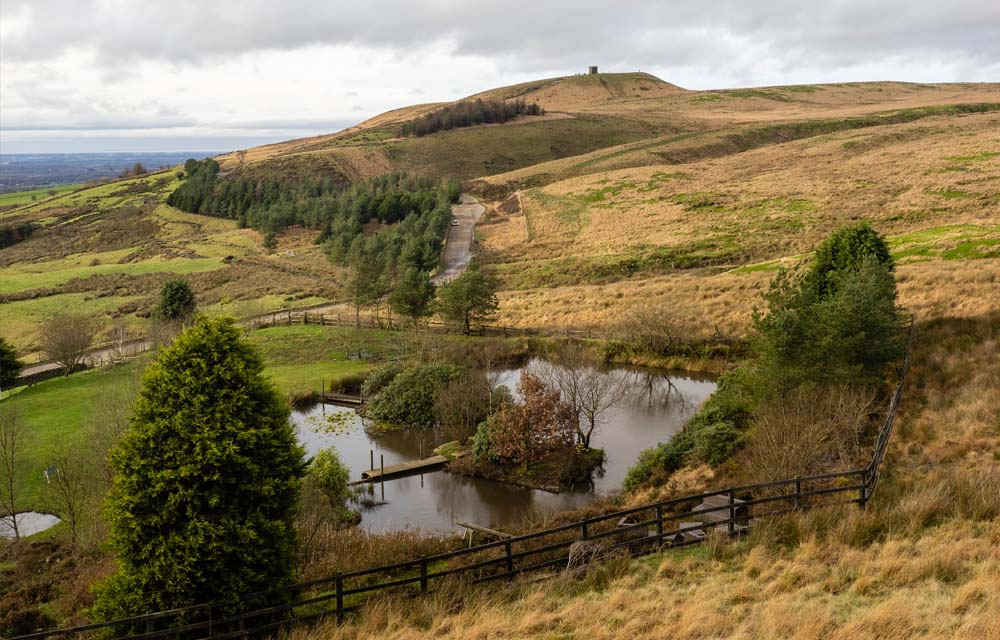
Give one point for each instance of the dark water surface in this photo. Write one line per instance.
(657, 406)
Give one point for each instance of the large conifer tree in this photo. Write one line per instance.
(207, 480)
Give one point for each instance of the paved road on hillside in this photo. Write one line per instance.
(461, 238)
(455, 260)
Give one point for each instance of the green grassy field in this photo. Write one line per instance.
(297, 358)
(34, 195)
(302, 358)
(58, 411)
(51, 274)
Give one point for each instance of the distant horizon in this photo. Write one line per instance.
(110, 153)
(142, 144)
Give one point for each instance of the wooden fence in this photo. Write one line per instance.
(348, 320)
(640, 530)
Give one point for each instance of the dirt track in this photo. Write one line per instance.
(461, 237)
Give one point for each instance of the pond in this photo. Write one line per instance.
(28, 523)
(656, 407)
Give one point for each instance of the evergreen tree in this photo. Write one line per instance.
(844, 252)
(206, 481)
(10, 366)
(363, 286)
(176, 301)
(413, 295)
(471, 297)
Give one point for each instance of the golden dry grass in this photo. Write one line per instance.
(923, 561)
(929, 587)
(587, 250)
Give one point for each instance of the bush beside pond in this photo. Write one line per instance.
(407, 399)
(836, 324)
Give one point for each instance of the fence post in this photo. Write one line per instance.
(340, 598)
(732, 512)
(510, 560)
(659, 524)
(423, 575)
(863, 491)
(289, 316)
(798, 492)
(583, 530)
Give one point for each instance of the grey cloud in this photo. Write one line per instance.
(539, 35)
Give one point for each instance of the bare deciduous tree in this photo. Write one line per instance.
(12, 437)
(588, 390)
(462, 405)
(806, 431)
(66, 337)
(71, 487)
(488, 357)
(120, 336)
(654, 329)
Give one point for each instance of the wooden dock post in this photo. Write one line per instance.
(371, 453)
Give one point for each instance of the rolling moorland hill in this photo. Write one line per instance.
(627, 192)
(620, 204)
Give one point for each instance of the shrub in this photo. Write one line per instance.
(380, 377)
(481, 442)
(542, 422)
(843, 252)
(176, 301)
(408, 400)
(11, 234)
(332, 477)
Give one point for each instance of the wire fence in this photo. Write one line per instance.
(678, 522)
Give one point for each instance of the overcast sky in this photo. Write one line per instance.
(189, 75)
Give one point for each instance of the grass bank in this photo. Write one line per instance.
(297, 358)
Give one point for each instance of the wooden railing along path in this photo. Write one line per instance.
(636, 531)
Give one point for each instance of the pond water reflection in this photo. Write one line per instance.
(656, 407)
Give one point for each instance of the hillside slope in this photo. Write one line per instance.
(700, 224)
(628, 192)
(106, 250)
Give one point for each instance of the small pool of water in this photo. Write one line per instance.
(658, 405)
(28, 523)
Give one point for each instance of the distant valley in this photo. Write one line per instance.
(23, 171)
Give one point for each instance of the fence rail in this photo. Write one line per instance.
(290, 317)
(676, 522)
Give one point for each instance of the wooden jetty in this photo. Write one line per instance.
(345, 399)
(472, 529)
(410, 467)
